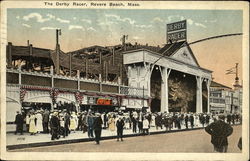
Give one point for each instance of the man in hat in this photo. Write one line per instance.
(54, 125)
(97, 126)
(119, 125)
(219, 131)
(19, 120)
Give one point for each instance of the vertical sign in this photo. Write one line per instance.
(177, 31)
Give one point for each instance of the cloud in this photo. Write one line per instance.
(26, 25)
(118, 18)
(62, 21)
(201, 25)
(71, 27)
(136, 38)
(157, 19)
(210, 21)
(86, 20)
(143, 26)
(175, 17)
(48, 28)
(190, 21)
(91, 29)
(38, 17)
(51, 16)
(17, 17)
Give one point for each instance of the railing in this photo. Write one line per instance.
(121, 89)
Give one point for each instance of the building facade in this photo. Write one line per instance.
(224, 99)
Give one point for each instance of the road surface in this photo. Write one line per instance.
(195, 141)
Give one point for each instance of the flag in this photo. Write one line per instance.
(231, 70)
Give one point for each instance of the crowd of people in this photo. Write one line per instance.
(60, 123)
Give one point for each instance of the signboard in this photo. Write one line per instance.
(176, 26)
(177, 31)
(102, 101)
(175, 36)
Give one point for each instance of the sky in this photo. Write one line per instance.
(105, 27)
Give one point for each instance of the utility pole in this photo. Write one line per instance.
(57, 64)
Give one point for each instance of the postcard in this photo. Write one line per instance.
(124, 80)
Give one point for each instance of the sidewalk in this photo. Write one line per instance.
(26, 140)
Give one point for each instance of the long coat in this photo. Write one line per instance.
(32, 128)
(219, 132)
(97, 125)
(120, 124)
(111, 124)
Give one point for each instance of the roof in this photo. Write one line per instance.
(170, 49)
(218, 85)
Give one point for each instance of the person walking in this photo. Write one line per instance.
(119, 126)
(219, 131)
(54, 126)
(19, 123)
(134, 124)
(46, 121)
(32, 124)
(27, 121)
(191, 119)
(97, 126)
(145, 126)
(39, 122)
(66, 123)
(186, 121)
(90, 121)
(229, 118)
(111, 123)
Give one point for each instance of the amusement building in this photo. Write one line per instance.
(120, 77)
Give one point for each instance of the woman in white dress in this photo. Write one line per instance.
(127, 121)
(73, 122)
(153, 120)
(32, 128)
(39, 122)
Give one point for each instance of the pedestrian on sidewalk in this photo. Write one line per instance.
(66, 123)
(46, 121)
(219, 131)
(191, 119)
(119, 126)
(97, 126)
(145, 126)
(54, 126)
(39, 122)
(186, 121)
(111, 123)
(134, 124)
(32, 127)
(19, 120)
(27, 121)
(90, 121)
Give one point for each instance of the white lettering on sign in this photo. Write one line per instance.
(176, 26)
(177, 36)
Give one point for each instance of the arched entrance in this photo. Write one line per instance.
(155, 88)
(182, 92)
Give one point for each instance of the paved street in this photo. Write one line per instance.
(197, 141)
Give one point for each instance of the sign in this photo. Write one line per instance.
(181, 35)
(181, 25)
(102, 101)
(91, 100)
(177, 31)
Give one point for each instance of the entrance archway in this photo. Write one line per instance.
(155, 88)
